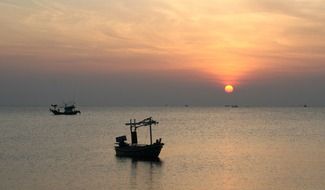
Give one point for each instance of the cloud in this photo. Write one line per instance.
(224, 41)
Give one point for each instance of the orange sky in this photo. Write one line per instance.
(227, 41)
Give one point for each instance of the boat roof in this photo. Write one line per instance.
(69, 106)
(146, 122)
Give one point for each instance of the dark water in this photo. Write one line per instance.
(205, 148)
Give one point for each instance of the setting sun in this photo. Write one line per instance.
(229, 88)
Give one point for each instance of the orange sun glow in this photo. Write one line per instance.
(229, 88)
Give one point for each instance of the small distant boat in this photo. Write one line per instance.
(135, 150)
(68, 109)
(231, 106)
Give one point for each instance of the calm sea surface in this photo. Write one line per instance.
(205, 148)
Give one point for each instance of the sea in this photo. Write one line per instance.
(206, 148)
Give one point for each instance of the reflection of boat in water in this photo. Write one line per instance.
(67, 109)
(135, 150)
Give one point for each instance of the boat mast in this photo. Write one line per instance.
(133, 129)
(134, 125)
(150, 132)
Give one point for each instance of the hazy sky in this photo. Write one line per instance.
(157, 52)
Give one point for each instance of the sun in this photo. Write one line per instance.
(229, 89)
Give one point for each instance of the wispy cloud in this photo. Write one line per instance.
(229, 39)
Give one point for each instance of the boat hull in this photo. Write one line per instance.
(55, 112)
(139, 151)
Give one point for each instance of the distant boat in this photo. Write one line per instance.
(135, 150)
(232, 106)
(68, 109)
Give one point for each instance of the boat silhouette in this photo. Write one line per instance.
(68, 109)
(135, 150)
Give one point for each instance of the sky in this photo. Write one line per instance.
(162, 52)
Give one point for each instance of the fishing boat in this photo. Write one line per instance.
(68, 109)
(135, 150)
